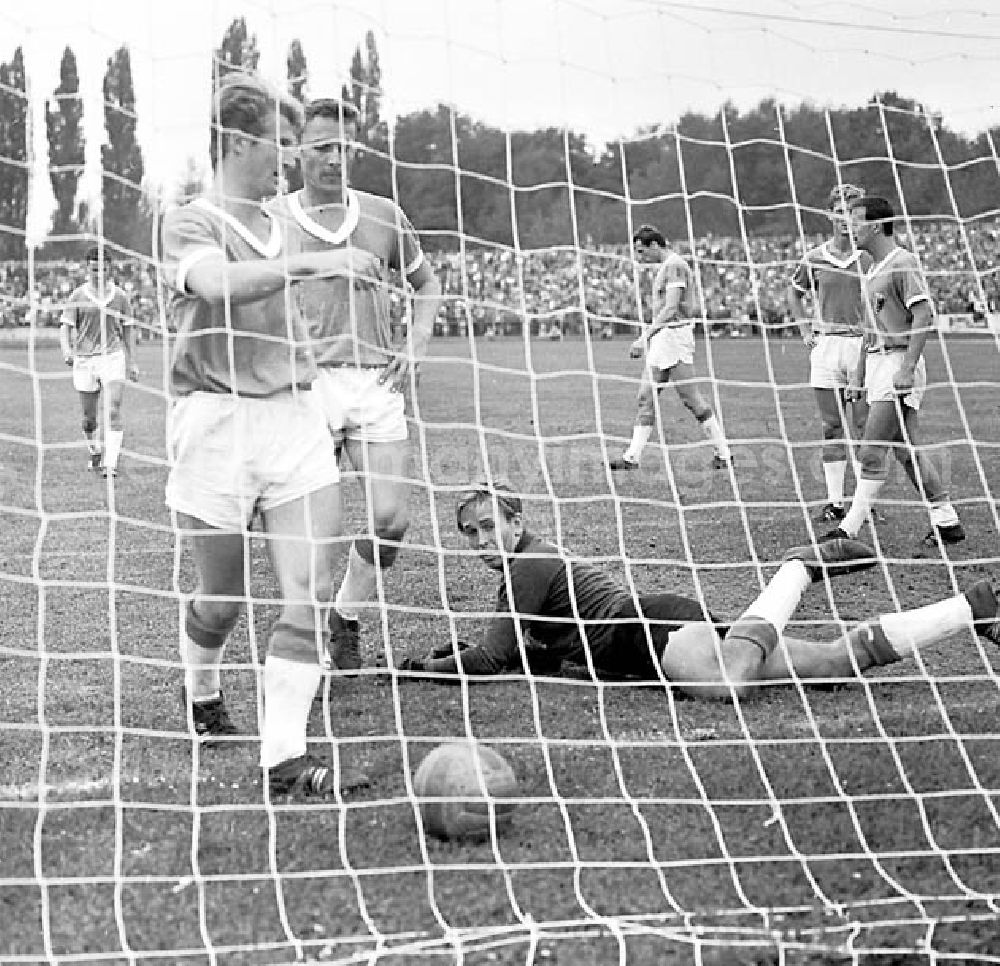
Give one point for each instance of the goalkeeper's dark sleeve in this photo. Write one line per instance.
(498, 653)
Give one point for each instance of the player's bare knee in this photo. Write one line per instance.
(833, 429)
(872, 461)
(89, 423)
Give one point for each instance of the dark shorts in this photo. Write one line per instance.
(628, 652)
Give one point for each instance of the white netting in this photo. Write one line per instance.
(851, 823)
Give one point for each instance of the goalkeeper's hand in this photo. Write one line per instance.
(412, 664)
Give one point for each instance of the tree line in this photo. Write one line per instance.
(766, 170)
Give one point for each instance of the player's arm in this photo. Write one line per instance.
(920, 331)
(129, 328)
(215, 279)
(798, 288)
(67, 334)
(498, 653)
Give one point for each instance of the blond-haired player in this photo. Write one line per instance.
(362, 372)
(833, 331)
(245, 437)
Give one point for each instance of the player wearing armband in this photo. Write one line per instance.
(362, 373)
(97, 338)
(668, 345)
(833, 332)
(575, 617)
(901, 319)
(245, 436)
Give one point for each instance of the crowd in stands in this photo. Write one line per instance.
(558, 289)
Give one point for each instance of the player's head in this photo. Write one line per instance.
(95, 263)
(490, 517)
(871, 217)
(257, 126)
(841, 199)
(327, 143)
(648, 243)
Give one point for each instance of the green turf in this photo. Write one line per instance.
(856, 824)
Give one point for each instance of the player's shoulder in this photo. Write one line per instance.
(903, 260)
(676, 260)
(79, 294)
(377, 207)
(198, 212)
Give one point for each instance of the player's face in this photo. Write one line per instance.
(840, 217)
(492, 534)
(646, 253)
(327, 149)
(862, 231)
(266, 155)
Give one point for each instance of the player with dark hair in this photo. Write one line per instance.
(97, 338)
(362, 372)
(668, 345)
(578, 616)
(900, 320)
(833, 331)
(246, 438)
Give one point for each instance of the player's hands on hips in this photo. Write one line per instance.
(904, 379)
(636, 349)
(396, 374)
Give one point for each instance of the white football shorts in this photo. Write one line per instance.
(92, 372)
(833, 361)
(881, 367)
(670, 346)
(231, 455)
(357, 407)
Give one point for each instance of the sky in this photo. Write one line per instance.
(602, 67)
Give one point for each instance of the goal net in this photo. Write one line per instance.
(846, 817)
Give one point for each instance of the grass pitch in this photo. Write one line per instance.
(819, 825)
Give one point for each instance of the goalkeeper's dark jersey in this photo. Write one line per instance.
(545, 585)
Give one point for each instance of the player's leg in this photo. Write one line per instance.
(114, 432)
(927, 480)
(831, 413)
(209, 616)
(384, 467)
(88, 404)
(882, 429)
(645, 419)
(684, 380)
(302, 538)
(887, 639)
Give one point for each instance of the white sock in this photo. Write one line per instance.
(711, 428)
(640, 436)
(865, 494)
(913, 629)
(835, 474)
(112, 446)
(778, 600)
(289, 687)
(943, 515)
(358, 585)
(201, 669)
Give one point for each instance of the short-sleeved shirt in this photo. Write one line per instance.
(893, 287)
(834, 280)
(350, 322)
(253, 349)
(99, 323)
(675, 273)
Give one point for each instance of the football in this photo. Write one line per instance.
(453, 802)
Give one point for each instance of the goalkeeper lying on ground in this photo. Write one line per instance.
(559, 603)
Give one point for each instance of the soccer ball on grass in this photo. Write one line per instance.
(454, 804)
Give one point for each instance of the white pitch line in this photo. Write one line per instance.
(30, 791)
